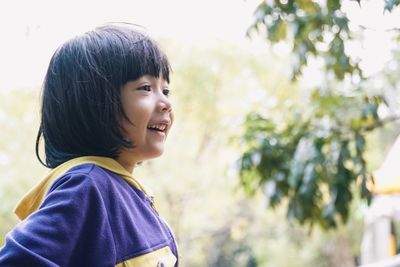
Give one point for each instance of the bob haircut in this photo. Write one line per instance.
(81, 110)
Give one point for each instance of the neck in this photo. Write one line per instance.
(128, 160)
(128, 165)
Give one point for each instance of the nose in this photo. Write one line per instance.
(164, 104)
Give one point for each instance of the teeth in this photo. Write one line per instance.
(160, 127)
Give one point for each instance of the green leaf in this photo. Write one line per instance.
(390, 4)
(333, 5)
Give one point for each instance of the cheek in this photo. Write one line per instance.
(138, 112)
(139, 120)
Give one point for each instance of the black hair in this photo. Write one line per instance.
(81, 111)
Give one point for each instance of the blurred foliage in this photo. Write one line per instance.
(314, 28)
(311, 155)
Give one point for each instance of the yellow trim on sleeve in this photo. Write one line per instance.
(34, 198)
(162, 257)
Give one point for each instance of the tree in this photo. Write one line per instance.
(315, 155)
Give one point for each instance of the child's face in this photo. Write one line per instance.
(146, 104)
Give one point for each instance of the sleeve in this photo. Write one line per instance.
(71, 228)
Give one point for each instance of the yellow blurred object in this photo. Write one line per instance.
(379, 238)
(392, 248)
(387, 177)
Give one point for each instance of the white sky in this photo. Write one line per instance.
(376, 49)
(32, 30)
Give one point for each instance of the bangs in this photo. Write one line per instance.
(133, 55)
(145, 59)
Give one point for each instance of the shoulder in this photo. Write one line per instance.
(80, 189)
(88, 186)
(76, 199)
(72, 217)
(84, 177)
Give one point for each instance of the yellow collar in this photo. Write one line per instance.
(34, 198)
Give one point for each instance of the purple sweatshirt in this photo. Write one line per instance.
(91, 217)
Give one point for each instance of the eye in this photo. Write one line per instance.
(146, 88)
(166, 92)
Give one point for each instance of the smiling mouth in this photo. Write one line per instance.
(161, 127)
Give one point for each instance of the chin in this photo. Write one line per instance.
(156, 153)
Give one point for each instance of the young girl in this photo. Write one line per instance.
(105, 109)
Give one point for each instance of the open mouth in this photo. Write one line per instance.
(161, 127)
